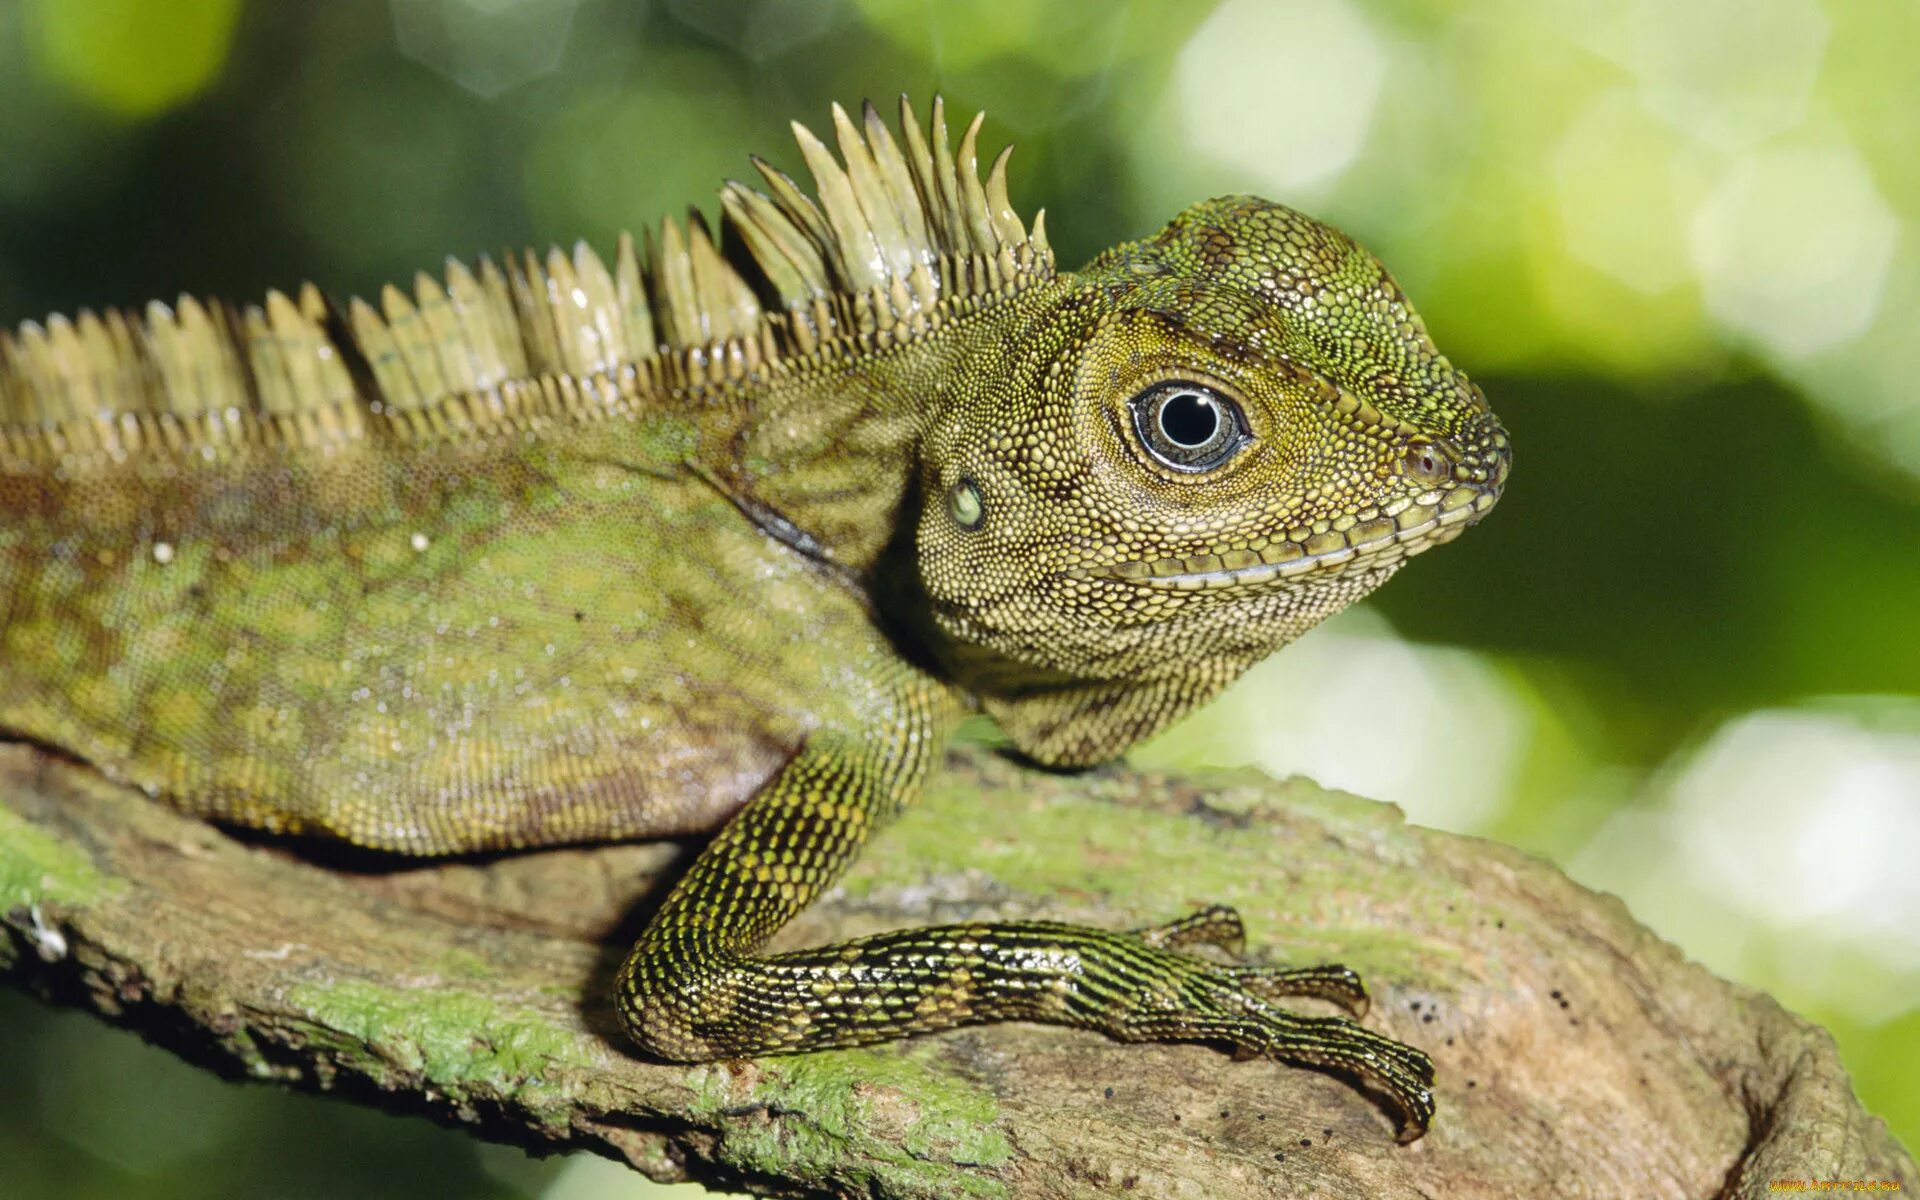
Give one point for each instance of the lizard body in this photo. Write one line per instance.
(568, 553)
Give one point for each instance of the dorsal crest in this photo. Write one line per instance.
(898, 237)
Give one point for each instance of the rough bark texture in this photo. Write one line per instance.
(1578, 1054)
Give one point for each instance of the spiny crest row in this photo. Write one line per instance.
(897, 238)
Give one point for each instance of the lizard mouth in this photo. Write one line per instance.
(1396, 530)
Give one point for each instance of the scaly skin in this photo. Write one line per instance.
(590, 554)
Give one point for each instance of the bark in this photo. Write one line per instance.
(1578, 1054)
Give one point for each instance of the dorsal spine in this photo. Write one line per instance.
(900, 238)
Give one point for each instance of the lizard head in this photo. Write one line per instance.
(1183, 457)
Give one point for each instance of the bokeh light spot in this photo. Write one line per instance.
(1330, 706)
(1284, 93)
(1729, 72)
(759, 29)
(1615, 176)
(485, 46)
(1868, 384)
(136, 58)
(1801, 817)
(1792, 247)
(1781, 852)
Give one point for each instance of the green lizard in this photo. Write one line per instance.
(729, 541)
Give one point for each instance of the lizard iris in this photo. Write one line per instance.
(697, 542)
(1188, 427)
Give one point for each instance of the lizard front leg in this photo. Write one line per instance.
(694, 988)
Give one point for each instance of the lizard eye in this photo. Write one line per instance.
(1426, 462)
(1187, 426)
(964, 506)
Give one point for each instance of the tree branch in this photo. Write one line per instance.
(1578, 1054)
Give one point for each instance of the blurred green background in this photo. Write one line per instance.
(1675, 242)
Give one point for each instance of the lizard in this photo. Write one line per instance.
(724, 540)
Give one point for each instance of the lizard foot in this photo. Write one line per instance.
(1197, 1000)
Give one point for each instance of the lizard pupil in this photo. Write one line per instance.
(1189, 419)
(1188, 427)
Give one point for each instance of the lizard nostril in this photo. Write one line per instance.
(1497, 457)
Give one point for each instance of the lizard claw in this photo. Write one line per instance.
(1398, 1072)
(1234, 1006)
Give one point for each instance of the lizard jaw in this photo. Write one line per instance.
(1404, 528)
